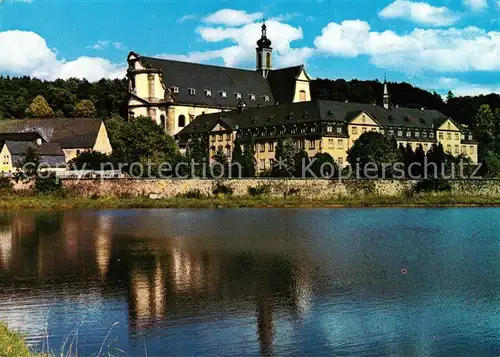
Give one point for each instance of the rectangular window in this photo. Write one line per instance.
(424, 134)
(228, 137)
(400, 133)
(266, 98)
(431, 135)
(408, 134)
(192, 91)
(300, 144)
(340, 143)
(355, 130)
(363, 130)
(312, 144)
(212, 137)
(330, 143)
(339, 130)
(470, 137)
(221, 137)
(270, 147)
(251, 96)
(426, 147)
(448, 136)
(457, 136)
(262, 147)
(208, 92)
(471, 149)
(456, 149)
(440, 136)
(329, 129)
(223, 94)
(417, 134)
(448, 148)
(238, 95)
(262, 164)
(391, 132)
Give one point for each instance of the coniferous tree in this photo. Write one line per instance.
(284, 162)
(301, 161)
(249, 162)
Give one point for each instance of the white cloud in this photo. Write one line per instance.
(231, 17)
(461, 88)
(27, 53)
(285, 17)
(187, 18)
(101, 45)
(448, 50)
(242, 52)
(419, 12)
(476, 5)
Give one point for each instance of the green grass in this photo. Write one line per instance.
(12, 344)
(11, 201)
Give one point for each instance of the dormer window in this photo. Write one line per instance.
(329, 129)
(192, 91)
(339, 130)
(266, 98)
(175, 89)
(223, 94)
(417, 134)
(208, 92)
(251, 96)
(238, 95)
(408, 134)
(470, 137)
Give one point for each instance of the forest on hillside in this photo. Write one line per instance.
(109, 97)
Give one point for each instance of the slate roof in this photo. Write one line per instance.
(79, 133)
(282, 82)
(31, 136)
(313, 111)
(185, 75)
(51, 154)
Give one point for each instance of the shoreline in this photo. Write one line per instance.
(49, 202)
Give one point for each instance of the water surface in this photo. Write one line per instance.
(234, 282)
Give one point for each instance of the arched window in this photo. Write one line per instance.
(162, 121)
(182, 121)
(268, 60)
(302, 96)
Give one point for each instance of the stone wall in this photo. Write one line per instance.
(275, 187)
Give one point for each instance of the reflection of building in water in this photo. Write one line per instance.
(265, 327)
(103, 244)
(148, 296)
(187, 271)
(5, 246)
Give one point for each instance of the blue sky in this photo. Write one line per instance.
(437, 44)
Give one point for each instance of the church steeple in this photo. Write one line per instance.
(264, 52)
(387, 97)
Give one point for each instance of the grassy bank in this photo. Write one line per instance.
(12, 344)
(424, 200)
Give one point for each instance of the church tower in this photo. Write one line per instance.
(387, 97)
(264, 53)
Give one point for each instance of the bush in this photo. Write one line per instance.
(193, 194)
(432, 185)
(291, 192)
(220, 188)
(48, 184)
(259, 190)
(5, 183)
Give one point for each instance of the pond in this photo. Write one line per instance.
(254, 282)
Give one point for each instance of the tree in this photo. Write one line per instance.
(90, 160)
(249, 162)
(324, 165)
(284, 162)
(28, 165)
(301, 161)
(484, 128)
(140, 140)
(374, 149)
(237, 158)
(221, 168)
(450, 96)
(85, 109)
(198, 154)
(39, 108)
